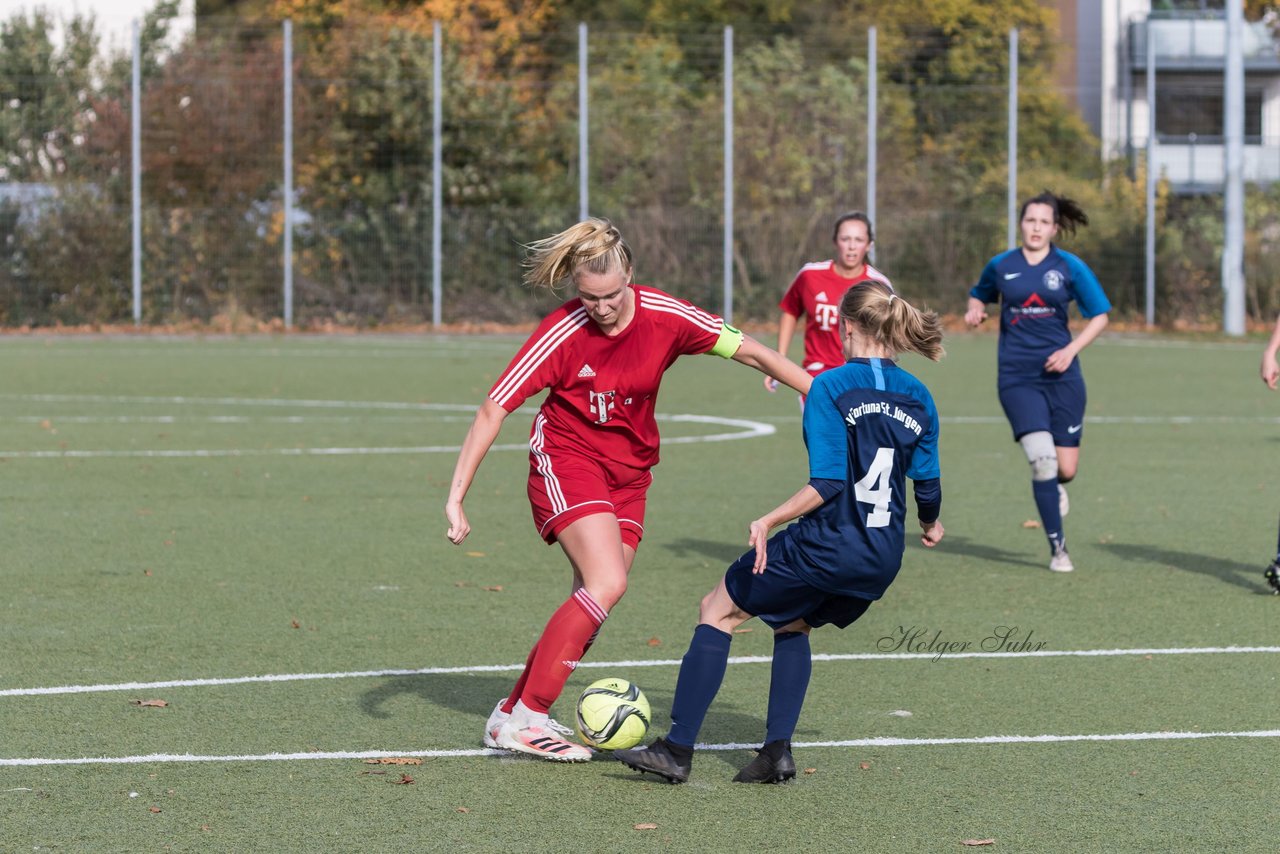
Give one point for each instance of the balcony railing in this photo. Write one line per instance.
(1199, 43)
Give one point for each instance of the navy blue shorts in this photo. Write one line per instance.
(779, 596)
(1056, 407)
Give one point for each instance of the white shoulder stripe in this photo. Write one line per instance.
(538, 353)
(670, 305)
(873, 273)
(817, 265)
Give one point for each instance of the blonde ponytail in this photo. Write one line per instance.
(594, 246)
(892, 321)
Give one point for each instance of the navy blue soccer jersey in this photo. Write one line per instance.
(1033, 308)
(871, 425)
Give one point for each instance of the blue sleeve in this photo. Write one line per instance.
(928, 499)
(988, 287)
(828, 489)
(924, 462)
(1086, 288)
(824, 433)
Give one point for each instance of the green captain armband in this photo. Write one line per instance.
(728, 343)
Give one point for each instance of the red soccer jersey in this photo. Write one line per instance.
(604, 390)
(815, 295)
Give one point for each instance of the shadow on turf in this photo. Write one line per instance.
(718, 550)
(1232, 572)
(475, 694)
(979, 551)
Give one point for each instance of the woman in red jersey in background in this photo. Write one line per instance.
(815, 295)
(594, 440)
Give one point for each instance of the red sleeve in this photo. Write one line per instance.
(792, 301)
(695, 330)
(534, 367)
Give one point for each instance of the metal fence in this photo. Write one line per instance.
(417, 166)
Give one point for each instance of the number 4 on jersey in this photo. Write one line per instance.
(875, 489)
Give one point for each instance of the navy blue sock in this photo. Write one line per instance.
(1046, 494)
(788, 683)
(701, 672)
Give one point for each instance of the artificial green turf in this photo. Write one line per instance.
(151, 568)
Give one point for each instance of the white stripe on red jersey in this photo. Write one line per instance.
(662, 302)
(538, 352)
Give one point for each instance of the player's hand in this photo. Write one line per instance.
(459, 527)
(759, 540)
(1059, 361)
(1270, 370)
(932, 533)
(770, 384)
(975, 316)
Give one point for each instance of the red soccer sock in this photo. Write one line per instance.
(568, 634)
(510, 702)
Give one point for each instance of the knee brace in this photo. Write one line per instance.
(1042, 455)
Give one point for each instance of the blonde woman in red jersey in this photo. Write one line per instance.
(816, 292)
(602, 356)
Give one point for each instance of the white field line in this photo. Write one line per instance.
(668, 662)
(153, 758)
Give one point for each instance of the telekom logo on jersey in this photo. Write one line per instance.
(602, 404)
(826, 315)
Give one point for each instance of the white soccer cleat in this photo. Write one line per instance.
(540, 741)
(1061, 561)
(1064, 503)
(496, 719)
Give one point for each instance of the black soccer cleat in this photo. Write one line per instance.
(773, 764)
(669, 761)
(1272, 575)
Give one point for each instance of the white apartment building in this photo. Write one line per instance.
(1108, 73)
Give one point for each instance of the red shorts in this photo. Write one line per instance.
(565, 487)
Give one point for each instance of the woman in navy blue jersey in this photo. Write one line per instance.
(868, 425)
(1040, 383)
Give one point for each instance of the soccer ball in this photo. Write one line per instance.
(612, 715)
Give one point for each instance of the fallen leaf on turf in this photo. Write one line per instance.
(1146, 658)
(158, 704)
(205, 828)
(153, 809)
(647, 825)
(393, 760)
(46, 424)
(810, 770)
(1031, 523)
(404, 780)
(463, 809)
(493, 588)
(864, 765)
(654, 642)
(146, 572)
(972, 842)
(475, 554)
(295, 624)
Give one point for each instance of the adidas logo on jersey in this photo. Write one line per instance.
(821, 297)
(586, 372)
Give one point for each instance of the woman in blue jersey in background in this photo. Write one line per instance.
(1040, 383)
(868, 426)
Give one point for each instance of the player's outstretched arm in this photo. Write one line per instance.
(786, 329)
(772, 363)
(805, 501)
(1270, 368)
(484, 430)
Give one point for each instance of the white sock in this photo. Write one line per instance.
(522, 716)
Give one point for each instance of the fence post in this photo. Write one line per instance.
(583, 126)
(1012, 192)
(728, 174)
(288, 174)
(872, 86)
(136, 162)
(1150, 272)
(1233, 313)
(437, 179)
